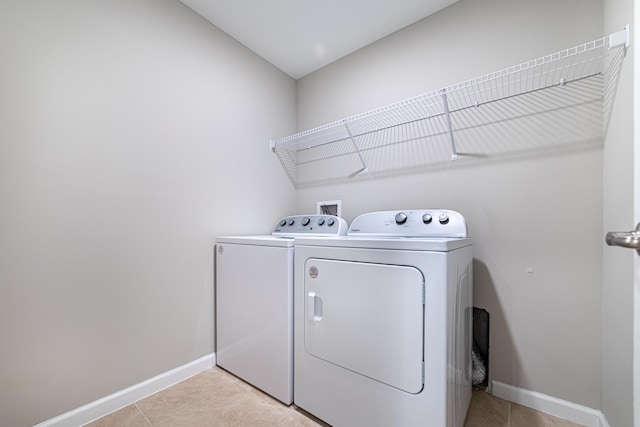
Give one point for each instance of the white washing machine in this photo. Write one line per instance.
(254, 302)
(383, 321)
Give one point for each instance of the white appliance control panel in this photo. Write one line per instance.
(311, 225)
(410, 223)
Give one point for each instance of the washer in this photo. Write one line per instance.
(254, 302)
(383, 321)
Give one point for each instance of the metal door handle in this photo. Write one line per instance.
(626, 239)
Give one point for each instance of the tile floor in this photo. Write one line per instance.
(217, 398)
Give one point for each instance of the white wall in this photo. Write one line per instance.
(542, 212)
(617, 290)
(131, 134)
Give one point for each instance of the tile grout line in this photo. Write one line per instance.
(143, 414)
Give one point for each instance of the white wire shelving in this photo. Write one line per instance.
(565, 94)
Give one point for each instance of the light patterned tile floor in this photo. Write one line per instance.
(217, 398)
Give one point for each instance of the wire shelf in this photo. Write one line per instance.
(566, 88)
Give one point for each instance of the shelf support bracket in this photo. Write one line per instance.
(447, 113)
(621, 38)
(353, 141)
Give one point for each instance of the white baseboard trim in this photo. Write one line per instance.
(118, 400)
(574, 412)
(603, 420)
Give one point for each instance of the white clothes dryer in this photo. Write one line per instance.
(383, 321)
(254, 301)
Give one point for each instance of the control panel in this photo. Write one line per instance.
(311, 225)
(410, 223)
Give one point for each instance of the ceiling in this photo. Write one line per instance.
(301, 36)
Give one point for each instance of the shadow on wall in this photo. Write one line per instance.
(503, 362)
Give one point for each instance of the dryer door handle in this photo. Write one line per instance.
(314, 307)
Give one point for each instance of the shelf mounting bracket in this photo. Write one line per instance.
(447, 113)
(353, 141)
(621, 38)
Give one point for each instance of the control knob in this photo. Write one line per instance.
(427, 218)
(305, 221)
(291, 221)
(331, 221)
(443, 218)
(283, 223)
(320, 221)
(401, 218)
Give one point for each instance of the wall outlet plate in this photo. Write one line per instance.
(331, 207)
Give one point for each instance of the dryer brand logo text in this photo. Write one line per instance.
(313, 271)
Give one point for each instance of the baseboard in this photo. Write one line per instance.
(574, 412)
(603, 421)
(106, 405)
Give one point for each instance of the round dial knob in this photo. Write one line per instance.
(443, 218)
(401, 218)
(283, 223)
(320, 221)
(291, 221)
(427, 218)
(305, 221)
(331, 221)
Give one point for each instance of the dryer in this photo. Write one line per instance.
(254, 301)
(383, 321)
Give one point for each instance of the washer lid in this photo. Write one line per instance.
(258, 240)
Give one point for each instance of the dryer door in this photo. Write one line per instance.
(367, 318)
